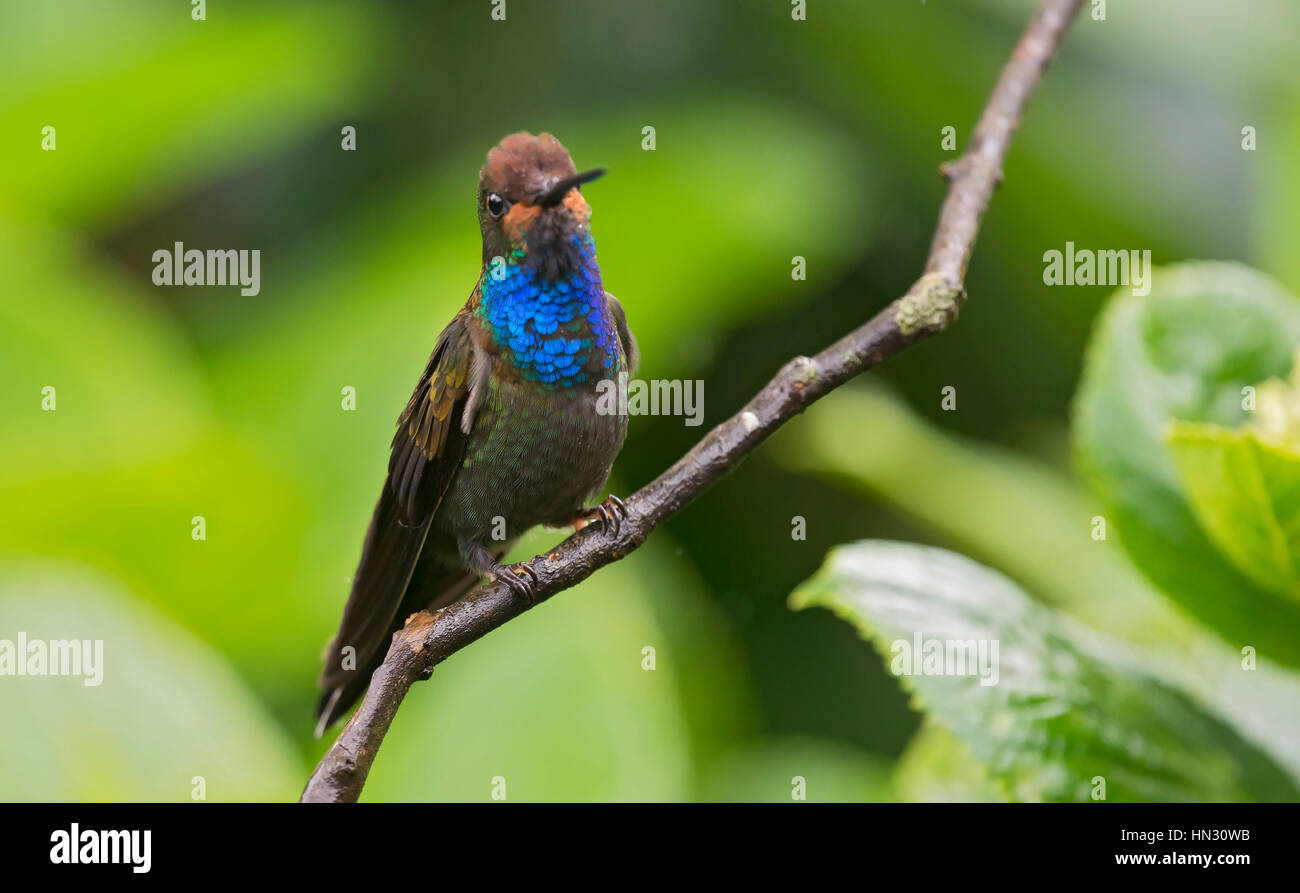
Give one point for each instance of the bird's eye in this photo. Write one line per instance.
(496, 205)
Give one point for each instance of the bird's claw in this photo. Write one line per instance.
(521, 579)
(610, 513)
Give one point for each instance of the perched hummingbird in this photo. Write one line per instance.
(502, 432)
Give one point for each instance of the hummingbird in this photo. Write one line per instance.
(505, 429)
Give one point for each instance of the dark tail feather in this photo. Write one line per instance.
(335, 702)
(399, 575)
(388, 559)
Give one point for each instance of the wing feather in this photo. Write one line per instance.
(426, 453)
(630, 349)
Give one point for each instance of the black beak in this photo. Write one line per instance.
(556, 193)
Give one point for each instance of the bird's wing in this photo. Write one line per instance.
(430, 438)
(426, 454)
(630, 350)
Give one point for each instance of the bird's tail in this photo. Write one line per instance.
(400, 573)
(444, 585)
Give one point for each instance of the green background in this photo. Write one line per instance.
(775, 138)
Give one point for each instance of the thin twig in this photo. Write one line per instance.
(929, 306)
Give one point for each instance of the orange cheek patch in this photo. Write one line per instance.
(577, 204)
(519, 219)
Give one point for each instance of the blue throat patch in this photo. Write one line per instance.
(551, 329)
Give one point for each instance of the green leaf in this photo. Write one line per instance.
(1246, 494)
(1066, 706)
(167, 710)
(1184, 353)
(937, 767)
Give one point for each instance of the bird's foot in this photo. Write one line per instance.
(609, 513)
(521, 579)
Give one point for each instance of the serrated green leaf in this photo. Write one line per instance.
(1184, 353)
(937, 767)
(1066, 707)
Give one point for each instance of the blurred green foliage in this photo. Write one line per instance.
(775, 139)
(168, 718)
(1187, 353)
(1058, 713)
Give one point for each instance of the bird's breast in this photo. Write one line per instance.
(534, 456)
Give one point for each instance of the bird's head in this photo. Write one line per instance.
(530, 204)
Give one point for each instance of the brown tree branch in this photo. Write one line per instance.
(929, 306)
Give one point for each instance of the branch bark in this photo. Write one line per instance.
(927, 308)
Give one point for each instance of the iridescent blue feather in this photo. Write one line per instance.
(551, 328)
